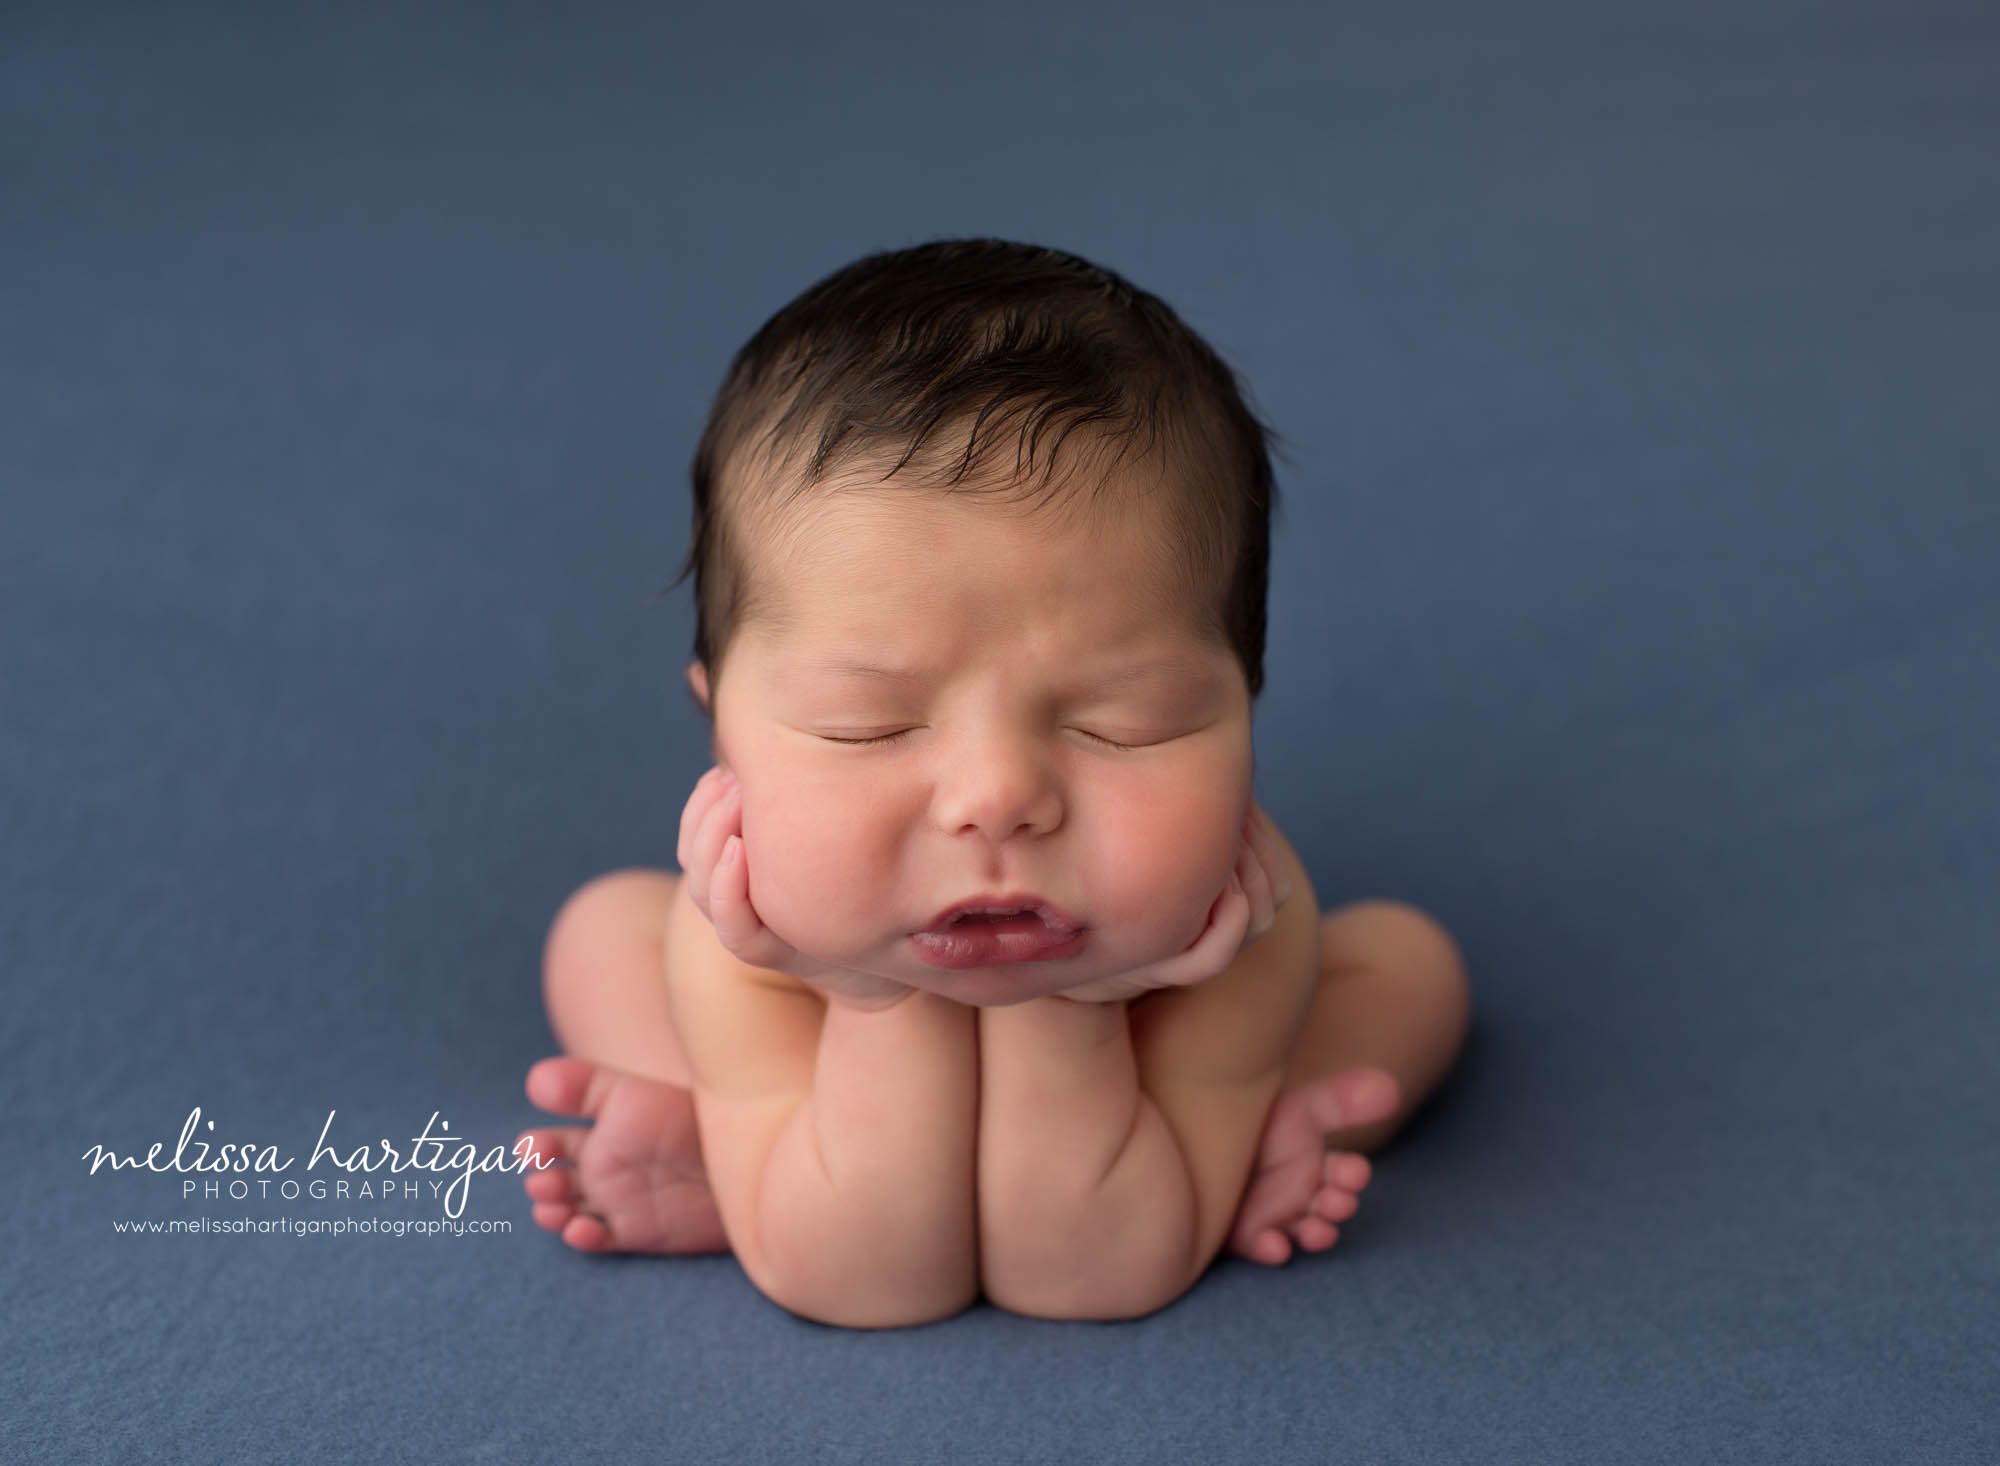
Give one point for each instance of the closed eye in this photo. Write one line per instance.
(892, 737)
(865, 742)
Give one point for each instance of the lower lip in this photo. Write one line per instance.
(996, 943)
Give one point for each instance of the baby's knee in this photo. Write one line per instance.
(607, 919)
(1394, 936)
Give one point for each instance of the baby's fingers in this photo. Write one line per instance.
(1263, 840)
(1257, 891)
(1217, 946)
(722, 819)
(736, 922)
(707, 793)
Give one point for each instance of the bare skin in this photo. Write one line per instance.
(1389, 1019)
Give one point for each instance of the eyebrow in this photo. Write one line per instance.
(1145, 669)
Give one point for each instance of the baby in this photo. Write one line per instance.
(984, 975)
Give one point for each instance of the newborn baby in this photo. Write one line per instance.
(985, 974)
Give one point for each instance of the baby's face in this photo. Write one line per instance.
(1018, 643)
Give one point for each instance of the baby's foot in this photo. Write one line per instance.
(1298, 1188)
(634, 1181)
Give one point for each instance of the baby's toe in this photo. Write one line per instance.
(562, 1085)
(1353, 1097)
(553, 1216)
(1270, 1247)
(1335, 1204)
(551, 1145)
(1347, 1170)
(555, 1185)
(1315, 1234)
(587, 1233)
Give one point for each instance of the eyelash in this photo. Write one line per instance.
(892, 737)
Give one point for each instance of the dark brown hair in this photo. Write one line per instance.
(901, 353)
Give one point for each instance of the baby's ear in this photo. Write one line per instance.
(698, 681)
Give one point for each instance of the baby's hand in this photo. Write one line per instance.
(1243, 912)
(717, 872)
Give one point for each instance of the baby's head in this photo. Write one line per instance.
(980, 547)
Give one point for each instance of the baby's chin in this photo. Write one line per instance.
(979, 987)
(999, 986)
(1019, 982)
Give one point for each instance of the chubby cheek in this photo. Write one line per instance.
(817, 864)
(1162, 862)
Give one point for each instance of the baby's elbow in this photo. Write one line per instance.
(856, 1259)
(1148, 1268)
(848, 1276)
(1129, 1247)
(842, 1302)
(1087, 1299)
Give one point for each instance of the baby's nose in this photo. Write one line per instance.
(999, 801)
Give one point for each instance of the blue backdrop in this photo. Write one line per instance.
(1634, 610)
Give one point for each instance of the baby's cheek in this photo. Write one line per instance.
(1171, 863)
(810, 875)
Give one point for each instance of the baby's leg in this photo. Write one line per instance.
(604, 975)
(1392, 995)
(1389, 1017)
(633, 1181)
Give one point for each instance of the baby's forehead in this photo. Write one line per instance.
(870, 566)
(869, 542)
(862, 501)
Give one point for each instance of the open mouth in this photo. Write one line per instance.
(998, 910)
(992, 935)
(1019, 919)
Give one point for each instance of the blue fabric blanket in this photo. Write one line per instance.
(1634, 610)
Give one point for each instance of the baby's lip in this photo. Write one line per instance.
(1048, 911)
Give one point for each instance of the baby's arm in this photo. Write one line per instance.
(1086, 1209)
(1116, 1139)
(838, 1142)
